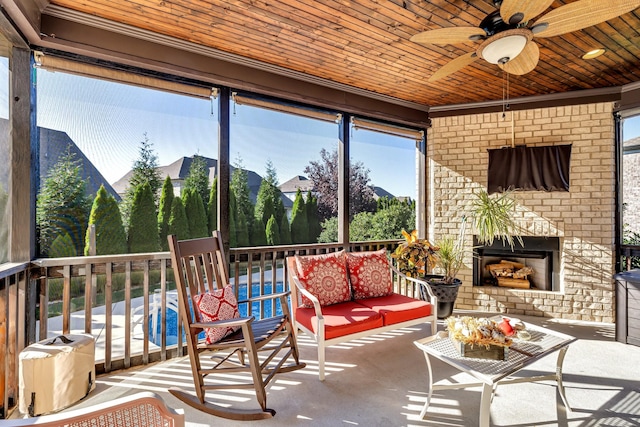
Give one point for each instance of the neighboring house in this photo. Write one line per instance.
(290, 188)
(379, 192)
(179, 170)
(54, 144)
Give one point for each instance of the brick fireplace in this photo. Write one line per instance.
(581, 221)
(540, 254)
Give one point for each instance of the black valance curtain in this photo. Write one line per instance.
(529, 168)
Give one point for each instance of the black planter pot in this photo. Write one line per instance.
(446, 294)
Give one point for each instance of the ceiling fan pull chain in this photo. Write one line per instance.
(504, 96)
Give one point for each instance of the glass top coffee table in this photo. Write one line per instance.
(490, 373)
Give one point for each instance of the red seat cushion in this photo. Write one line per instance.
(369, 273)
(340, 319)
(325, 276)
(397, 308)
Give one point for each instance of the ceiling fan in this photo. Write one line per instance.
(506, 36)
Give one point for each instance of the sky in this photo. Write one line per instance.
(631, 128)
(108, 120)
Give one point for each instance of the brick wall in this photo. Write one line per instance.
(582, 218)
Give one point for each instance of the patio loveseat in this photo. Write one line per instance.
(341, 296)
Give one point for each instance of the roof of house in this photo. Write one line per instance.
(299, 181)
(632, 144)
(379, 192)
(54, 144)
(179, 169)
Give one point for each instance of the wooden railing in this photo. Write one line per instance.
(117, 299)
(13, 321)
(47, 297)
(137, 290)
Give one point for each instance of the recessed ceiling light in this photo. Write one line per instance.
(593, 53)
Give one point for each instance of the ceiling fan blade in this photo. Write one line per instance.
(582, 14)
(449, 35)
(522, 11)
(453, 66)
(525, 62)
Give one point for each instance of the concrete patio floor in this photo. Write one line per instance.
(382, 381)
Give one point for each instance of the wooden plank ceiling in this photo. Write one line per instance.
(366, 43)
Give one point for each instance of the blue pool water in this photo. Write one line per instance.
(155, 317)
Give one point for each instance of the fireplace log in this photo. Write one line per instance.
(509, 282)
(523, 273)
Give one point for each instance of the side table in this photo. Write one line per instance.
(490, 373)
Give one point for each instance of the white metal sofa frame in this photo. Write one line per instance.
(297, 290)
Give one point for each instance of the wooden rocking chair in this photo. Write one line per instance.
(200, 266)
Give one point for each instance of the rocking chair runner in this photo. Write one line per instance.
(200, 266)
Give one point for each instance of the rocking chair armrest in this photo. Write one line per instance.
(223, 323)
(266, 297)
(423, 284)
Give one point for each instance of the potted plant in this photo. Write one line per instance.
(414, 256)
(492, 218)
(417, 257)
(449, 259)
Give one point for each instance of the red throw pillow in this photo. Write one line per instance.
(325, 276)
(218, 305)
(369, 274)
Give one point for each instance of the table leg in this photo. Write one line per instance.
(426, 404)
(485, 405)
(559, 363)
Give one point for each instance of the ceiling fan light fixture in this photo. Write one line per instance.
(593, 53)
(500, 50)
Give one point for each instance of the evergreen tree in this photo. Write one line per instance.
(264, 202)
(285, 231)
(313, 221)
(145, 170)
(299, 224)
(164, 212)
(109, 231)
(242, 230)
(63, 206)
(272, 232)
(212, 207)
(269, 195)
(259, 237)
(178, 220)
(62, 247)
(279, 208)
(196, 217)
(240, 187)
(198, 177)
(143, 225)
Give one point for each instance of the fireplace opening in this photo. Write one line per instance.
(534, 265)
